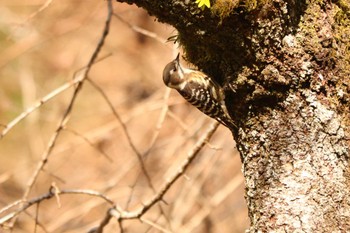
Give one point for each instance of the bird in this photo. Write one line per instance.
(198, 89)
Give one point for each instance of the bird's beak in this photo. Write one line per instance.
(177, 59)
(177, 62)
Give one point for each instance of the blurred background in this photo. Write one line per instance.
(44, 45)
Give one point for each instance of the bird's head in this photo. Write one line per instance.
(173, 73)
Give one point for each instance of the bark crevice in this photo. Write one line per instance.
(285, 66)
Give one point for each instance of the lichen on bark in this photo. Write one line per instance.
(285, 67)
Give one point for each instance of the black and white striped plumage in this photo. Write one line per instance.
(199, 90)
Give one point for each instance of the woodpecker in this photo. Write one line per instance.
(199, 90)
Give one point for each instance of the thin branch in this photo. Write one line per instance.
(89, 143)
(132, 145)
(154, 225)
(31, 16)
(6, 208)
(103, 223)
(191, 156)
(37, 105)
(36, 216)
(117, 116)
(125, 129)
(181, 123)
(45, 99)
(160, 122)
(214, 201)
(121, 215)
(43, 7)
(159, 125)
(53, 193)
(66, 115)
(141, 30)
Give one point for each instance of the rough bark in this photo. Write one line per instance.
(286, 69)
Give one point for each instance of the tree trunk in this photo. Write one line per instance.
(285, 66)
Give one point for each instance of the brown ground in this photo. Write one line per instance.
(42, 51)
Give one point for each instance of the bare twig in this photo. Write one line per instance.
(160, 122)
(141, 30)
(181, 123)
(218, 198)
(121, 215)
(191, 156)
(36, 216)
(103, 223)
(53, 193)
(159, 125)
(45, 99)
(154, 138)
(34, 14)
(38, 223)
(132, 145)
(37, 105)
(6, 208)
(156, 226)
(43, 7)
(117, 116)
(89, 142)
(125, 129)
(66, 114)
